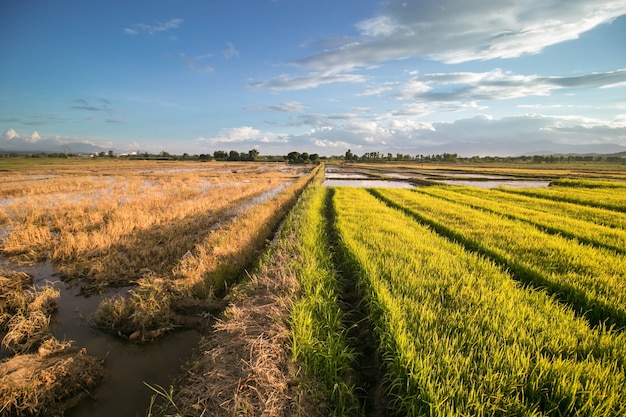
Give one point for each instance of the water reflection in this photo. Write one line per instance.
(122, 391)
(367, 184)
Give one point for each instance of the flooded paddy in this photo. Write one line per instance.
(128, 367)
(107, 232)
(405, 177)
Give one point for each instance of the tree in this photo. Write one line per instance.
(293, 157)
(220, 155)
(234, 156)
(253, 154)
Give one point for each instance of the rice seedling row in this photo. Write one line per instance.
(552, 221)
(593, 197)
(318, 323)
(592, 280)
(460, 337)
(598, 216)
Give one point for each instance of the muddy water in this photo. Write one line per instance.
(122, 391)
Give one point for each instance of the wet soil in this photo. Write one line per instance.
(127, 367)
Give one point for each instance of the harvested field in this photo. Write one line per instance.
(173, 238)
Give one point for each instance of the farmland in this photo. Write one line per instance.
(437, 300)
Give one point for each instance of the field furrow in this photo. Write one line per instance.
(594, 215)
(615, 200)
(552, 222)
(460, 337)
(592, 280)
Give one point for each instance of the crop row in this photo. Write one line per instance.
(548, 218)
(592, 280)
(319, 335)
(458, 335)
(593, 197)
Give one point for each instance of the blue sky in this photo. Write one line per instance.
(414, 77)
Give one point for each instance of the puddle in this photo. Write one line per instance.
(367, 184)
(122, 391)
(496, 184)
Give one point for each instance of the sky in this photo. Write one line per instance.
(504, 77)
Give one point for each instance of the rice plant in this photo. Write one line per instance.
(460, 337)
(592, 280)
(319, 336)
(552, 221)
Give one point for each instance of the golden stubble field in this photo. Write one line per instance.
(167, 239)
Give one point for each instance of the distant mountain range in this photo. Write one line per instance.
(464, 149)
(49, 146)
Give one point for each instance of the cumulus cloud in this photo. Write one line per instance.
(12, 135)
(454, 31)
(482, 135)
(240, 135)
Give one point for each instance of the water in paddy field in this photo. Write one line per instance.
(122, 391)
(367, 184)
(337, 177)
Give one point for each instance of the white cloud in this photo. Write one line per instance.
(287, 107)
(483, 135)
(496, 85)
(244, 135)
(379, 89)
(454, 31)
(378, 26)
(311, 80)
(33, 137)
(10, 134)
(155, 28)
